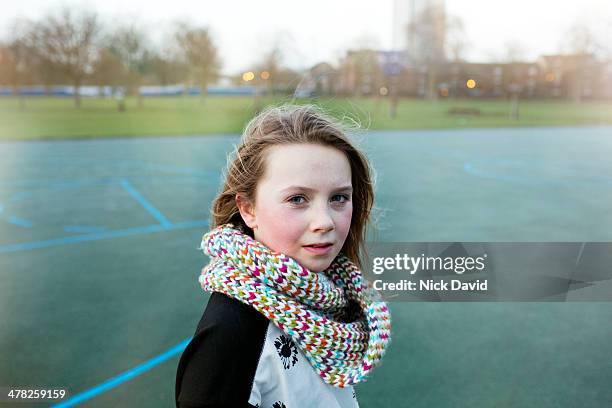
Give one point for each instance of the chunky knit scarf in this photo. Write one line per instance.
(333, 316)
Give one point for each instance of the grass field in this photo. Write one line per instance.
(57, 118)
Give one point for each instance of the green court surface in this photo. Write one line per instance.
(99, 264)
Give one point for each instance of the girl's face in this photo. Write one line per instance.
(303, 200)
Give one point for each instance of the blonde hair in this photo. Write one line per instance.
(293, 124)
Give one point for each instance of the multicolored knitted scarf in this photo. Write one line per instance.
(333, 316)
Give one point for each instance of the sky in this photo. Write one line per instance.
(312, 31)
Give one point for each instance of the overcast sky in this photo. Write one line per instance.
(320, 30)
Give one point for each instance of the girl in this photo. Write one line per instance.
(290, 322)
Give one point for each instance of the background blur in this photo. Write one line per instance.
(140, 66)
(485, 121)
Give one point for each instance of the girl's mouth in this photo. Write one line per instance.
(319, 249)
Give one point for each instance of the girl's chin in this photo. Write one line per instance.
(316, 265)
(313, 262)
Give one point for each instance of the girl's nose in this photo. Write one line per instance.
(322, 219)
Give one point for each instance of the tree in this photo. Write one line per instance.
(272, 75)
(167, 70)
(365, 70)
(128, 44)
(580, 38)
(514, 51)
(427, 42)
(199, 53)
(108, 70)
(66, 42)
(15, 60)
(13, 66)
(584, 47)
(269, 69)
(456, 41)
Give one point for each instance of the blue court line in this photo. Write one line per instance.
(100, 235)
(84, 228)
(1, 208)
(147, 205)
(20, 222)
(123, 377)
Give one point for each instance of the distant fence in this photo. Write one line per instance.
(110, 92)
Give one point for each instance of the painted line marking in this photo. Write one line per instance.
(99, 235)
(146, 204)
(123, 377)
(20, 222)
(84, 228)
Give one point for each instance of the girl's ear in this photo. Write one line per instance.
(247, 211)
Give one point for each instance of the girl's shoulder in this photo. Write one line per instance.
(229, 316)
(219, 363)
(238, 358)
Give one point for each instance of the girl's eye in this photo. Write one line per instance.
(338, 198)
(343, 198)
(296, 199)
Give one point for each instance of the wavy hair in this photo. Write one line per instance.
(293, 124)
